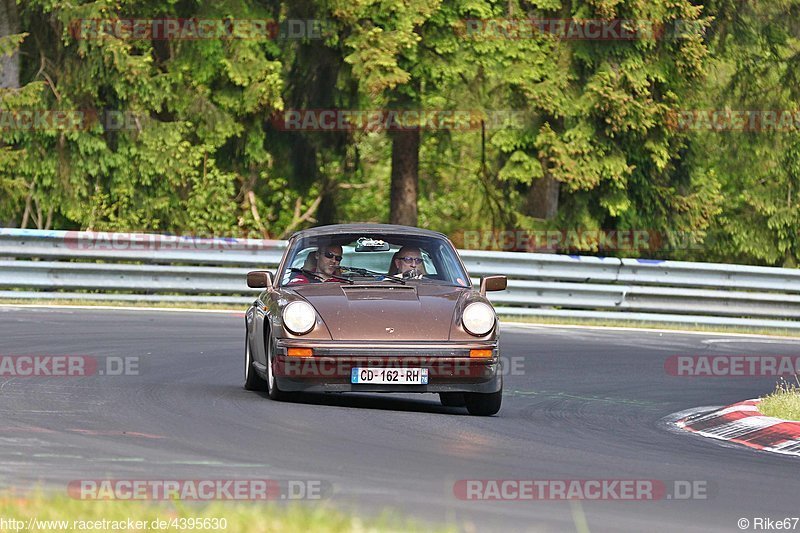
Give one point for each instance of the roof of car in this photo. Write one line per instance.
(339, 229)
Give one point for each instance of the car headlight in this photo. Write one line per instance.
(478, 318)
(299, 317)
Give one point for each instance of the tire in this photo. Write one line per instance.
(252, 381)
(272, 385)
(452, 399)
(480, 404)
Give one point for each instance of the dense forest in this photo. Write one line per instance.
(659, 128)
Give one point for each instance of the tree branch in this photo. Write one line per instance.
(299, 219)
(251, 199)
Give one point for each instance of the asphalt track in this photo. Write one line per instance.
(580, 404)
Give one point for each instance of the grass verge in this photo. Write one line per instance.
(556, 321)
(783, 402)
(39, 511)
(120, 303)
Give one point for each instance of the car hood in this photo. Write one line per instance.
(381, 312)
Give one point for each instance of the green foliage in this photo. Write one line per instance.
(10, 43)
(169, 132)
(757, 54)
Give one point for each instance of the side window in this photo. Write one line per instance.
(449, 269)
(430, 268)
(298, 261)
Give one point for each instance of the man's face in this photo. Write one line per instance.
(328, 259)
(409, 260)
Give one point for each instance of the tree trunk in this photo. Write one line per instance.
(543, 198)
(405, 177)
(9, 25)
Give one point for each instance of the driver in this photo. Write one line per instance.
(326, 265)
(408, 263)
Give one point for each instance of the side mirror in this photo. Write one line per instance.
(259, 279)
(493, 283)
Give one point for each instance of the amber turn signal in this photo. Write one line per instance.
(480, 353)
(299, 352)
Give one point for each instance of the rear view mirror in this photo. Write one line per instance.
(366, 244)
(259, 279)
(493, 283)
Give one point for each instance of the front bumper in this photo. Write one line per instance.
(450, 368)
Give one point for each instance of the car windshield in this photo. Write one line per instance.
(371, 257)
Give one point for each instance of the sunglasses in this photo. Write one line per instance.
(411, 260)
(331, 255)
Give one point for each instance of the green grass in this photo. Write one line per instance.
(121, 303)
(650, 325)
(239, 516)
(783, 402)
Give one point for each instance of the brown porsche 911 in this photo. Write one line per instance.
(374, 308)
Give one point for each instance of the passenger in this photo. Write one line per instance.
(326, 265)
(408, 263)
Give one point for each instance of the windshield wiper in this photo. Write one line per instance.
(365, 272)
(317, 276)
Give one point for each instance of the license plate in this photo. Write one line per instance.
(390, 376)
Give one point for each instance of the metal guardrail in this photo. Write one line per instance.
(158, 268)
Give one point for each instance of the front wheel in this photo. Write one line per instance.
(252, 381)
(481, 404)
(272, 385)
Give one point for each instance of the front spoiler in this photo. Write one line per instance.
(450, 368)
(293, 385)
